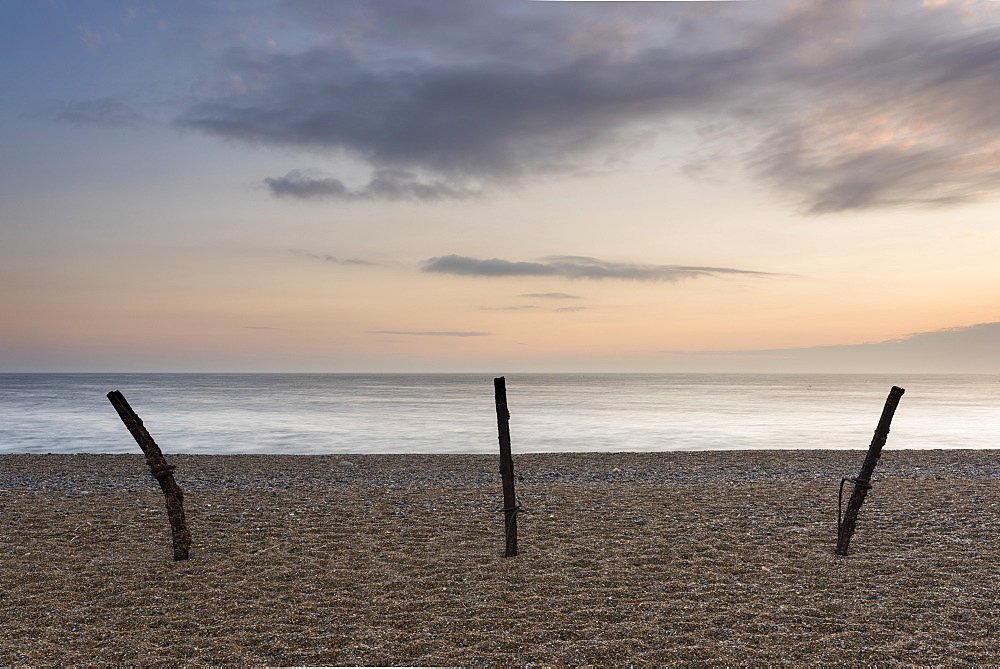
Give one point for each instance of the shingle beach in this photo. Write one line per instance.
(648, 558)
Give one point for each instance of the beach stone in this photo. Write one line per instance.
(679, 559)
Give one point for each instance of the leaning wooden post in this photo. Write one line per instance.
(161, 471)
(862, 483)
(510, 507)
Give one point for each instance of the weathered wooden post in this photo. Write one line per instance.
(510, 507)
(161, 471)
(862, 483)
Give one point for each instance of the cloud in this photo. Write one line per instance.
(385, 185)
(970, 349)
(842, 105)
(430, 334)
(908, 127)
(480, 92)
(553, 296)
(532, 307)
(575, 267)
(493, 120)
(329, 258)
(104, 111)
(95, 39)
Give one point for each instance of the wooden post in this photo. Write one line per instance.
(862, 484)
(510, 507)
(161, 471)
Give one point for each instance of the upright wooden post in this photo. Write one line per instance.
(161, 471)
(862, 484)
(510, 507)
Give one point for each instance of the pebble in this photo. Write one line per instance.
(88, 473)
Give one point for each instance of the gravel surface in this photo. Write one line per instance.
(649, 558)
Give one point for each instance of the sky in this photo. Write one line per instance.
(483, 186)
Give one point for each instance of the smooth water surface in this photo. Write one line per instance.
(455, 413)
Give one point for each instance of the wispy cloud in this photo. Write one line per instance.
(553, 296)
(385, 185)
(532, 307)
(104, 111)
(576, 267)
(429, 333)
(329, 258)
(94, 39)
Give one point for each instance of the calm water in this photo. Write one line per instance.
(454, 413)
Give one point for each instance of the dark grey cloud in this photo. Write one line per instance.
(105, 111)
(493, 119)
(450, 31)
(553, 296)
(385, 185)
(575, 267)
(843, 105)
(325, 257)
(430, 333)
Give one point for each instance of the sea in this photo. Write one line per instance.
(456, 413)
